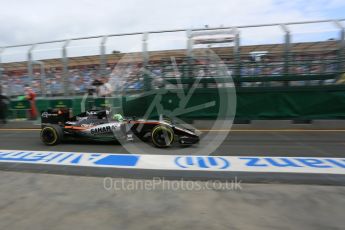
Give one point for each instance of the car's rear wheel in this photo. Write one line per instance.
(162, 136)
(51, 134)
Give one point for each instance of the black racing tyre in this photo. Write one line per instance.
(162, 136)
(51, 134)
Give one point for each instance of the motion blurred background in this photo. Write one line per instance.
(285, 59)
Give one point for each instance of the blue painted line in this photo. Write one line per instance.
(118, 160)
(337, 163)
(226, 163)
(177, 162)
(187, 162)
(55, 156)
(61, 160)
(212, 161)
(201, 162)
(281, 162)
(20, 156)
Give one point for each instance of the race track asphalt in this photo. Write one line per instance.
(62, 197)
(35, 201)
(288, 143)
(278, 143)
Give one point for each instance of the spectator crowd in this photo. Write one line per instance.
(130, 76)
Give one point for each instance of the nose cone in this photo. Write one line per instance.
(189, 140)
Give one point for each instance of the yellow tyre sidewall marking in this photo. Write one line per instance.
(54, 132)
(166, 129)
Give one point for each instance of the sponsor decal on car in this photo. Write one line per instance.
(103, 129)
(46, 115)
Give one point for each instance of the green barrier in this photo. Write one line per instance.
(20, 105)
(319, 102)
(19, 108)
(291, 104)
(61, 103)
(207, 102)
(42, 104)
(103, 102)
(78, 103)
(255, 104)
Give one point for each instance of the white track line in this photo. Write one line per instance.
(180, 163)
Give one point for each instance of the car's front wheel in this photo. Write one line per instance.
(162, 136)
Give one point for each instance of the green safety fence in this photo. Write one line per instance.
(319, 102)
(291, 104)
(19, 108)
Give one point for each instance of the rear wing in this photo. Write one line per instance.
(55, 116)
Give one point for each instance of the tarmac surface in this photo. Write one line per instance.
(241, 142)
(44, 197)
(316, 143)
(56, 202)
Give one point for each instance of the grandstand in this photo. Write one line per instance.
(288, 64)
(306, 48)
(310, 58)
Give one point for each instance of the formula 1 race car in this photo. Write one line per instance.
(101, 125)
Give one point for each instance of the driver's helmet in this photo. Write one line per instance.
(117, 117)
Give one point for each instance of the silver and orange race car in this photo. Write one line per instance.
(101, 125)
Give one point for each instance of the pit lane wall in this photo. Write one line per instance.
(323, 102)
